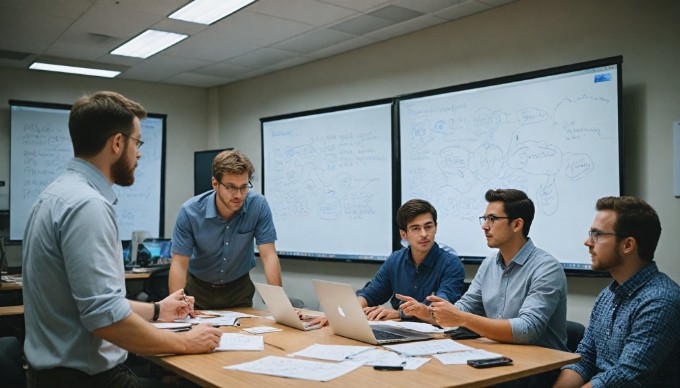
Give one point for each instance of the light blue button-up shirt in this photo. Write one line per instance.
(74, 279)
(222, 251)
(531, 293)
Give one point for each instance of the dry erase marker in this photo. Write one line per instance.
(388, 367)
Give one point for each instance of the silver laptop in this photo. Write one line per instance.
(347, 318)
(282, 310)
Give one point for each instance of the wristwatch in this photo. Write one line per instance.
(156, 311)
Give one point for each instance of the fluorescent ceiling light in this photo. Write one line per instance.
(74, 70)
(148, 43)
(208, 11)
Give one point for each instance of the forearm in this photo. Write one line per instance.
(493, 329)
(144, 310)
(568, 379)
(177, 276)
(270, 263)
(135, 335)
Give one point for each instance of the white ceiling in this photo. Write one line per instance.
(267, 36)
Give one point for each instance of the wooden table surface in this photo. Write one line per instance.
(207, 369)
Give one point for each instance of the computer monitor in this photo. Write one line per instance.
(203, 169)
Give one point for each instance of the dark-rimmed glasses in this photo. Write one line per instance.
(138, 143)
(491, 219)
(594, 234)
(231, 189)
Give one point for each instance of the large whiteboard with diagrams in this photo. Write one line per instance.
(41, 148)
(328, 181)
(554, 135)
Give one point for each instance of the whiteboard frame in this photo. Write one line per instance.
(570, 268)
(66, 107)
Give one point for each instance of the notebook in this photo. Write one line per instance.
(279, 305)
(347, 318)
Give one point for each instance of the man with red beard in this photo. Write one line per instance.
(78, 322)
(633, 338)
(212, 244)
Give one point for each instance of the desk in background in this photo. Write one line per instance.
(207, 369)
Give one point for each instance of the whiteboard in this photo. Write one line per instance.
(328, 180)
(555, 137)
(40, 148)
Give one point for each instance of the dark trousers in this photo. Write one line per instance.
(119, 376)
(237, 293)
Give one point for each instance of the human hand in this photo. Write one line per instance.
(378, 313)
(312, 320)
(444, 313)
(412, 308)
(202, 338)
(176, 306)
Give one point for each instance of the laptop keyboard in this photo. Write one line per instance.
(384, 335)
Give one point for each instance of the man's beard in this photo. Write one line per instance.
(122, 172)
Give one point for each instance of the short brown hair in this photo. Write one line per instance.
(634, 218)
(95, 118)
(232, 162)
(516, 204)
(412, 209)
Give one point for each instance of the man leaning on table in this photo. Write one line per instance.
(633, 338)
(212, 244)
(519, 294)
(78, 322)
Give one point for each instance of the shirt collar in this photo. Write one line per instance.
(429, 259)
(636, 281)
(521, 257)
(211, 209)
(95, 177)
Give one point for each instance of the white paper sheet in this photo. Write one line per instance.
(420, 327)
(261, 330)
(332, 352)
(425, 348)
(296, 368)
(233, 341)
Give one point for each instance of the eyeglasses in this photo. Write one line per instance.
(417, 229)
(594, 235)
(231, 189)
(138, 143)
(491, 219)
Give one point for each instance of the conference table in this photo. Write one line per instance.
(207, 369)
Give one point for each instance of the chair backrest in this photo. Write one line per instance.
(575, 332)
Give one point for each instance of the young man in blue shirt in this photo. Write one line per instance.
(633, 338)
(414, 272)
(212, 244)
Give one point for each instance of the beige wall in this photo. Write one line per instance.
(522, 36)
(186, 131)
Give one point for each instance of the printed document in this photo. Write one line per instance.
(296, 368)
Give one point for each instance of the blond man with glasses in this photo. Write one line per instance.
(212, 242)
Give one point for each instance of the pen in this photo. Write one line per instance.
(388, 367)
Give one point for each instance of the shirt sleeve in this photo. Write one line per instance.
(265, 232)
(94, 265)
(587, 366)
(182, 236)
(548, 286)
(452, 282)
(652, 339)
(380, 288)
(471, 301)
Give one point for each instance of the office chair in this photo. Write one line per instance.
(575, 332)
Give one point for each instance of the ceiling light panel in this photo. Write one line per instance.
(149, 43)
(208, 11)
(74, 70)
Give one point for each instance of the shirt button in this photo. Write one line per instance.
(226, 243)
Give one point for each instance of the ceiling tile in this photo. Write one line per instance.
(359, 5)
(255, 29)
(29, 32)
(428, 6)
(70, 9)
(407, 27)
(463, 9)
(225, 70)
(197, 80)
(343, 47)
(304, 11)
(262, 58)
(202, 47)
(395, 14)
(362, 24)
(314, 40)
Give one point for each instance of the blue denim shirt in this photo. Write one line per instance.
(222, 251)
(441, 272)
(531, 293)
(633, 339)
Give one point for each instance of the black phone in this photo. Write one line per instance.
(461, 333)
(489, 362)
